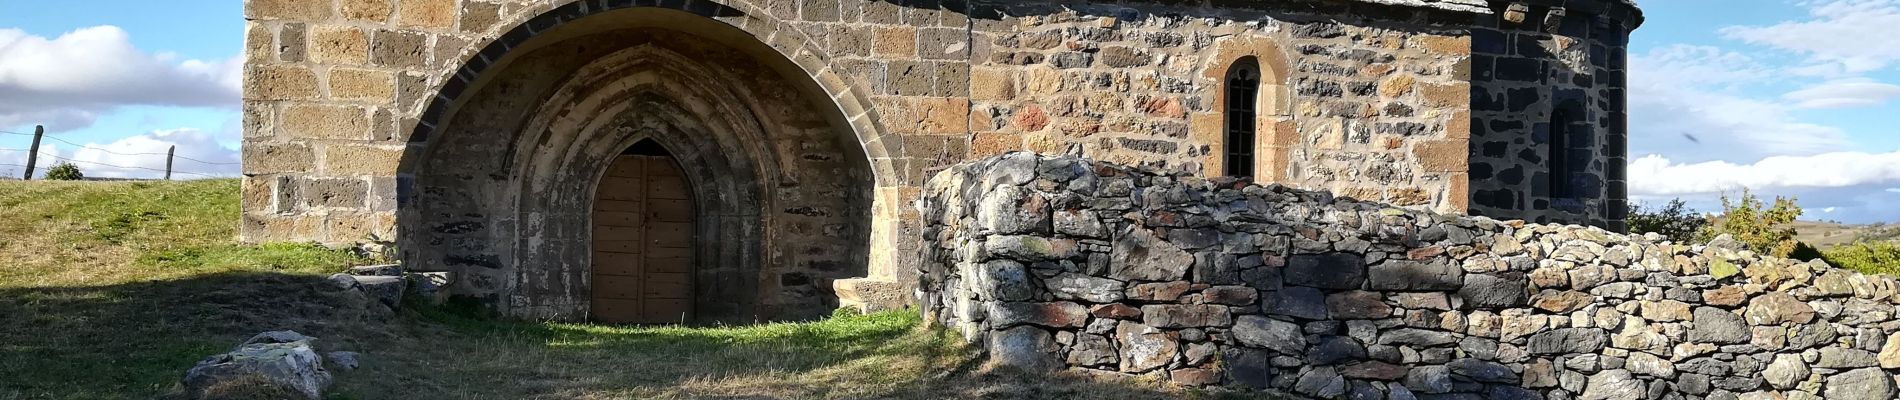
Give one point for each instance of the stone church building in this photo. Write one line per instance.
(743, 160)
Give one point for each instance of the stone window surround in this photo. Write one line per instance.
(1246, 72)
(1274, 132)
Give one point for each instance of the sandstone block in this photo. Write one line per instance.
(280, 82)
(339, 44)
(366, 10)
(426, 14)
(362, 85)
(309, 121)
(272, 158)
(359, 160)
(299, 10)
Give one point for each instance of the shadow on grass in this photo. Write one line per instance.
(883, 355)
(136, 340)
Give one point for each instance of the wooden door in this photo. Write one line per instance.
(643, 243)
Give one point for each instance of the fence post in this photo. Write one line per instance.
(33, 153)
(169, 153)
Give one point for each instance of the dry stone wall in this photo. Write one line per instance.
(1066, 263)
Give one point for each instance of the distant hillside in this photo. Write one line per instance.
(1830, 234)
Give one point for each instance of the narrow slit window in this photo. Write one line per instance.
(1558, 156)
(1243, 100)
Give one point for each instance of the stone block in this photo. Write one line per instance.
(1144, 348)
(1451, 95)
(1026, 348)
(943, 116)
(478, 17)
(360, 160)
(1262, 332)
(292, 42)
(1327, 271)
(310, 121)
(895, 41)
(377, 11)
(358, 228)
(259, 228)
(1443, 155)
(401, 49)
(1186, 316)
(992, 84)
(333, 192)
(871, 295)
(296, 10)
(339, 44)
(352, 84)
(273, 158)
(1414, 275)
(1054, 315)
(426, 14)
(280, 82)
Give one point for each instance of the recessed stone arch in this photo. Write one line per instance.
(1275, 131)
(513, 150)
(742, 21)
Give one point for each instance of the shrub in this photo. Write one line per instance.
(1674, 221)
(64, 172)
(1867, 257)
(1764, 229)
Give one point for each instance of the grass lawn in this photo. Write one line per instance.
(113, 290)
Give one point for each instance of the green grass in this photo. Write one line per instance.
(113, 290)
(99, 233)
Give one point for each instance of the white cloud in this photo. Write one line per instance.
(142, 156)
(199, 155)
(68, 81)
(1658, 176)
(1685, 102)
(1843, 93)
(1847, 36)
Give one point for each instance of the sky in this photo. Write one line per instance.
(1786, 97)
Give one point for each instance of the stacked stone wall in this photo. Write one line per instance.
(1066, 263)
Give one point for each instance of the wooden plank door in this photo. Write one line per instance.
(643, 243)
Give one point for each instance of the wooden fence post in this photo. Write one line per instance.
(169, 153)
(33, 153)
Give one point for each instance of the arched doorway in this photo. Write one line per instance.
(643, 259)
(505, 192)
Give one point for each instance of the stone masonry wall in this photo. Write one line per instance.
(1532, 66)
(1056, 263)
(348, 102)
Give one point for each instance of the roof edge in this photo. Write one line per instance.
(1622, 10)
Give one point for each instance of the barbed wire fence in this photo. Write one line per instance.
(11, 169)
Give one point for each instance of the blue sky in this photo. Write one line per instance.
(201, 120)
(1789, 97)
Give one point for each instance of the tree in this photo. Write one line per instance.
(1674, 221)
(64, 172)
(1764, 229)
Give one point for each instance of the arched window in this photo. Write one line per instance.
(1243, 101)
(1557, 154)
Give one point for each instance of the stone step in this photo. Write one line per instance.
(378, 270)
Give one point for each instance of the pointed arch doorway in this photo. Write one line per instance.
(644, 239)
